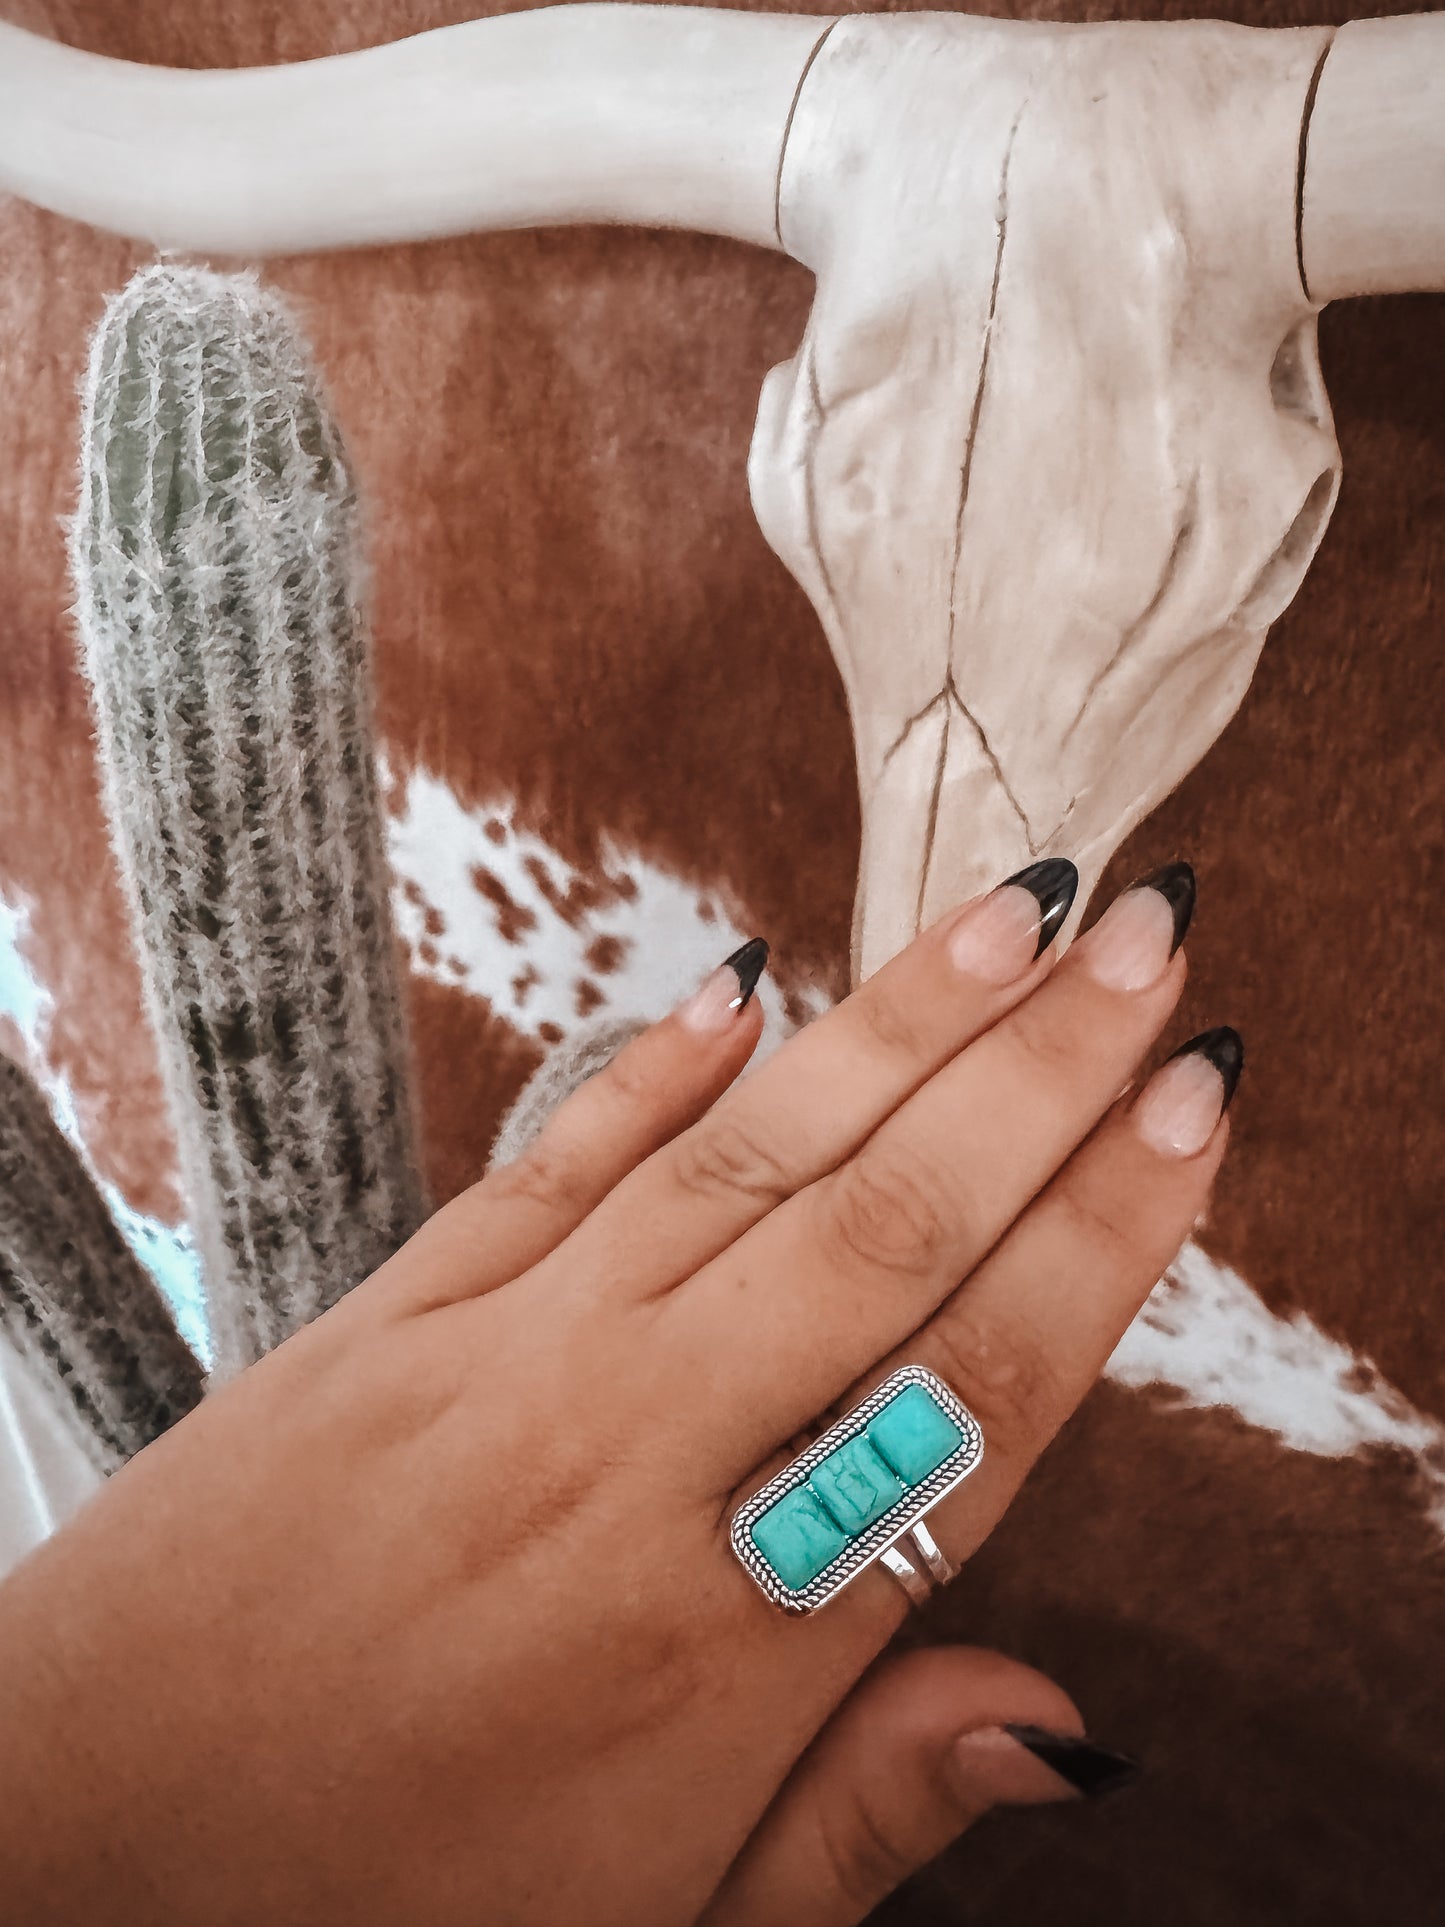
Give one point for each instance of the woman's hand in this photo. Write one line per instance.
(431, 1617)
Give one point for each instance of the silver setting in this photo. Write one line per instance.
(940, 1567)
(894, 1524)
(913, 1582)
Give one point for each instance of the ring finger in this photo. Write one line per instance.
(1025, 1337)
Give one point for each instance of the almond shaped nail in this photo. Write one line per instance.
(727, 990)
(1179, 1109)
(749, 961)
(1178, 885)
(995, 938)
(1223, 1047)
(1091, 1770)
(1054, 883)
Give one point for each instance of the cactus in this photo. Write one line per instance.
(73, 1296)
(216, 560)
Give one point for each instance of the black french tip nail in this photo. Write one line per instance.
(1224, 1048)
(1091, 1770)
(749, 962)
(1177, 885)
(1054, 882)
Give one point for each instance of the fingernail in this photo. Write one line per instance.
(1131, 945)
(998, 937)
(1181, 1105)
(988, 1768)
(1178, 886)
(1053, 883)
(1090, 1770)
(729, 989)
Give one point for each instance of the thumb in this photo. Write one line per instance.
(927, 1743)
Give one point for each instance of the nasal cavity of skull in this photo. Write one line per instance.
(1274, 587)
(1294, 386)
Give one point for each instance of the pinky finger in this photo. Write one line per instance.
(657, 1085)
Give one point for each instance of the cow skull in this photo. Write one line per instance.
(1055, 450)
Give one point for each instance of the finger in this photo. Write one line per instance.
(1028, 1334)
(1022, 1341)
(918, 1753)
(816, 1100)
(782, 1323)
(654, 1087)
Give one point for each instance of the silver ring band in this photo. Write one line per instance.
(914, 1583)
(940, 1567)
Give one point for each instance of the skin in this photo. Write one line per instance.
(431, 1615)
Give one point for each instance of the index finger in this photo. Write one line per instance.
(828, 1088)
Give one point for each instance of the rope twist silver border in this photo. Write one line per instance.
(898, 1540)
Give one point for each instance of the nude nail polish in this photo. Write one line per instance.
(997, 938)
(1132, 944)
(717, 1001)
(1179, 1109)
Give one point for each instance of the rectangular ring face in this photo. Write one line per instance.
(855, 1490)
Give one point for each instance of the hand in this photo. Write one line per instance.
(431, 1617)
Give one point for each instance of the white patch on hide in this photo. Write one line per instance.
(531, 939)
(23, 1000)
(165, 1250)
(1207, 1336)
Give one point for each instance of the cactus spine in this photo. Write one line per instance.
(216, 561)
(73, 1296)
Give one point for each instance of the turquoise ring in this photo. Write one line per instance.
(859, 1489)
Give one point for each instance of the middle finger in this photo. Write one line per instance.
(779, 1325)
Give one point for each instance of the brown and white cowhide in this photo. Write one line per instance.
(616, 743)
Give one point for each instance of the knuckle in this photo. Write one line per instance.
(887, 1215)
(1044, 1045)
(1096, 1224)
(890, 1027)
(628, 1077)
(1007, 1379)
(722, 1158)
(863, 1853)
(541, 1176)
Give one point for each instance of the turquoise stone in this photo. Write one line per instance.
(797, 1538)
(855, 1485)
(914, 1434)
